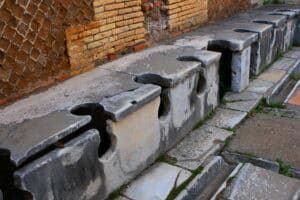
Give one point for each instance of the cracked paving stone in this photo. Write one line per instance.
(226, 118)
(273, 76)
(245, 106)
(259, 86)
(283, 64)
(191, 152)
(157, 182)
(257, 183)
(295, 54)
(242, 96)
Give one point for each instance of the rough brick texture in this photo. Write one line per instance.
(220, 9)
(169, 18)
(118, 25)
(32, 41)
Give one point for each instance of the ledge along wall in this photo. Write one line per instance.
(88, 136)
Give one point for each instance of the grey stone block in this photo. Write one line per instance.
(259, 86)
(72, 172)
(295, 173)
(297, 32)
(122, 105)
(242, 158)
(32, 136)
(126, 111)
(259, 183)
(284, 63)
(200, 144)
(246, 106)
(242, 96)
(226, 118)
(207, 182)
(260, 49)
(240, 70)
(136, 141)
(293, 54)
(188, 94)
(157, 182)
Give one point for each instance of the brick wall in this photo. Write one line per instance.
(32, 42)
(164, 19)
(45, 41)
(220, 9)
(118, 25)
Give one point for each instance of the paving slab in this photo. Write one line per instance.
(242, 96)
(32, 136)
(246, 106)
(270, 137)
(259, 86)
(257, 183)
(248, 158)
(208, 181)
(283, 64)
(226, 118)
(201, 143)
(294, 54)
(291, 113)
(272, 75)
(72, 172)
(157, 182)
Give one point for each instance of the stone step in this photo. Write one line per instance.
(204, 185)
(198, 146)
(157, 182)
(257, 183)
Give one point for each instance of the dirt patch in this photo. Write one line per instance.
(269, 137)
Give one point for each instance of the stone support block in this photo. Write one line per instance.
(124, 114)
(71, 172)
(297, 32)
(240, 67)
(187, 95)
(135, 144)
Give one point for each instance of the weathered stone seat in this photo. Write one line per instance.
(264, 33)
(189, 78)
(113, 103)
(28, 138)
(71, 172)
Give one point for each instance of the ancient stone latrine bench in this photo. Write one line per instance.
(86, 137)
